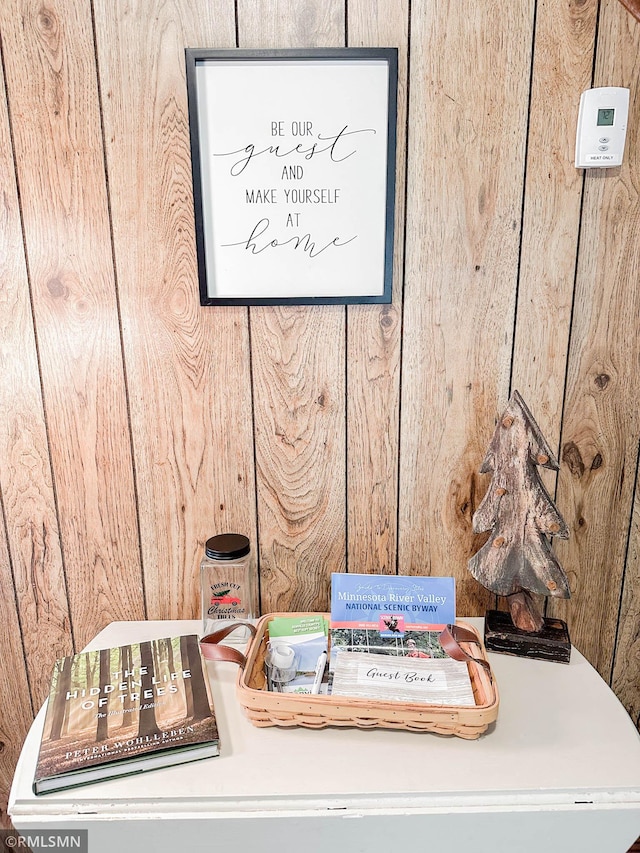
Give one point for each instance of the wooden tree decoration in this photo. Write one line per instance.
(517, 559)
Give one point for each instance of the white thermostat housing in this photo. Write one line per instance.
(602, 127)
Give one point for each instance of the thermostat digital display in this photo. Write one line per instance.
(605, 118)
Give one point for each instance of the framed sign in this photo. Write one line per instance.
(293, 156)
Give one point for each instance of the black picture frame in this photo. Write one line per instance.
(293, 164)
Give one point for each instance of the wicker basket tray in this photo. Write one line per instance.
(267, 708)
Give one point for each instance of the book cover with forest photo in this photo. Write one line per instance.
(117, 711)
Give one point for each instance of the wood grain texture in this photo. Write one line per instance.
(283, 24)
(373, 344)
(298, 357)
(58, 145)
(626, 669)
(463, 224)
(187, 366)
(602, 422)
(26, 484)
(633, 7)
(299, 393)
(562, 67)
(17, 711)
(626, 666)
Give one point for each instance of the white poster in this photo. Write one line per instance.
(295, 188)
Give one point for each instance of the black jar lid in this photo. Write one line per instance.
(227, 546)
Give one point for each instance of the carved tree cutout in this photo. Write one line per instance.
(517, 558)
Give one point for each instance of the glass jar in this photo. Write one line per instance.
(228, 584)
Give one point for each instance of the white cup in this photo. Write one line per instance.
(280, 663)
(281, 657)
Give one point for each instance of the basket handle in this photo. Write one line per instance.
(212, 650)
(450, 640)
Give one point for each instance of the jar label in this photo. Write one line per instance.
(226, 601)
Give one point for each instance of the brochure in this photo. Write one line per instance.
(399, 615)
(304, 639)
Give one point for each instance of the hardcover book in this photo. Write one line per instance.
(399, 615)
(123, 710)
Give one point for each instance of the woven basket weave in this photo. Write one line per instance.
(267, 708)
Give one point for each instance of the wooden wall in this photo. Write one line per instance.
(134, 423)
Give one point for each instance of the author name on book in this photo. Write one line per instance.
(131, 744)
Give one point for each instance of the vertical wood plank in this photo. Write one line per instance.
(562, 68)
(26, 485)
(625, 679)
(187, 366)
(602, 422)
(464, 197)
(23, 471)
(373, 344)
(561, 71)
(60, 168)
(17, 712)
(298, 358)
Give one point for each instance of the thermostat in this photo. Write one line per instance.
(602, 127)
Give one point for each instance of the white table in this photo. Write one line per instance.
(558, 771)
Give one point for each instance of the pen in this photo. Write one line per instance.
(320, 665)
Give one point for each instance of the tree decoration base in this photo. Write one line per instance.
(551, 642)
